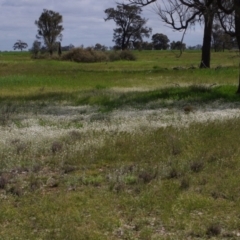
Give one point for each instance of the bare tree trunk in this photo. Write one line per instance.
(237, 30)
(206, 48)
(59, 49)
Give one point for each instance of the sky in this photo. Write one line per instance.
(83, 22)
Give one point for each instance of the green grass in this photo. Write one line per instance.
(108, 100)
(23, 77)
(118, 188)
(173, 182)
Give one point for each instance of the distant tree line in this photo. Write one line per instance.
(131, 29)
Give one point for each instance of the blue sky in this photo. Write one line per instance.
(83, 22)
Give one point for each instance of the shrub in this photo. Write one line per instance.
(114, 56)
(127, 55)
(123, 55)
(85, 55)
(89, 55)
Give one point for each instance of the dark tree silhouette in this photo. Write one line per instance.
(160, 41)
(177, 45)
(142, 2)
(130, 25)
(36, 47)
(182, 14)
(20, 45)
(59, 49)
(49, 28)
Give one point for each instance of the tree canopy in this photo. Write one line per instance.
(49, 28)
(20, 45)
(160, 41)
(130, 25)
(177, 45)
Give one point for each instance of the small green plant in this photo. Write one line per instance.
(130, 179)
(34, 182)
(92, 180)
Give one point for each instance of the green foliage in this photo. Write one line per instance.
(130, 25)
(160, 41)
(20, 45)
(177, 45)
(49, 28)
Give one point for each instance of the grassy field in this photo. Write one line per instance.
(146, 149)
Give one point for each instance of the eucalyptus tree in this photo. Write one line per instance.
(50, 28)
(177, 45)
(160, 41)
(203, 11)
(183, 14)
(20, 45)
(131, 27)
(228, 13)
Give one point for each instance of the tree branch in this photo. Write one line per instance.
(142, 2)
(177, 15)
(225, 9)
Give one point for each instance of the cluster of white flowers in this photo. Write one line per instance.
(57, 122)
